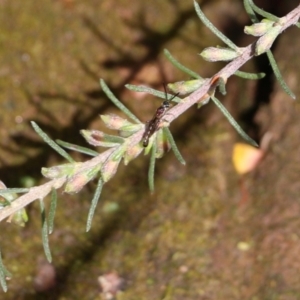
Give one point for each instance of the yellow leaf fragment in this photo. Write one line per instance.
(245, 158)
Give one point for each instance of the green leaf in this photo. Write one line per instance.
(150, 143)
(14, 190)
(232, 121)
(278, 75)
(145, 89)
(100, 139)
(262, 12)
(250, 11)
(251, 8)
(45, 232)
(251, 76)
(266, 14)
(162, 144)
(181, 67)
(222, 86)
(117, 103)
(3, 274)
(50, 142)
(117, 155)
(52, 211)
(3, 280)
(210, 26)
(112, 139)
(77, 148)
(152, 168)
(173, 145)
(130, 129)
(94, 204)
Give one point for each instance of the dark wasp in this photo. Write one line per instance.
(153, 125)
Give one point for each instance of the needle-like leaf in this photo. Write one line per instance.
(94, 204)
(173, 145)
(77, 148)
(266, 14)
(152, 168)
(45, 232)
(232, 121)
(14, 190)
(145, 89)
(251, 76)
(3, 274)
(51, 143)
(118, 103)
(250, 11)
(52, 211)
(181, 67)
(209, 25)
(278, 75)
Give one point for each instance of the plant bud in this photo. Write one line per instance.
(265, 42)
(185, 87)
(219, 54)
(79, 180)
(7, 197)
(20, 217)
(132, 127)
(129, 130)
(162, 144)
(118, 153)
(114, 122)
(150, 144)
(100, 139)
(110, 168)
(132, 152)
(61, 170)
(259, 29)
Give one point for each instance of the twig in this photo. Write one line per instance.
(41, 191)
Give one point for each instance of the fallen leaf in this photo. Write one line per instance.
(245, 158)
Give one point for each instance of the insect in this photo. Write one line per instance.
(153, 125)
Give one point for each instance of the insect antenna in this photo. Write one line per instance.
(168, 101)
